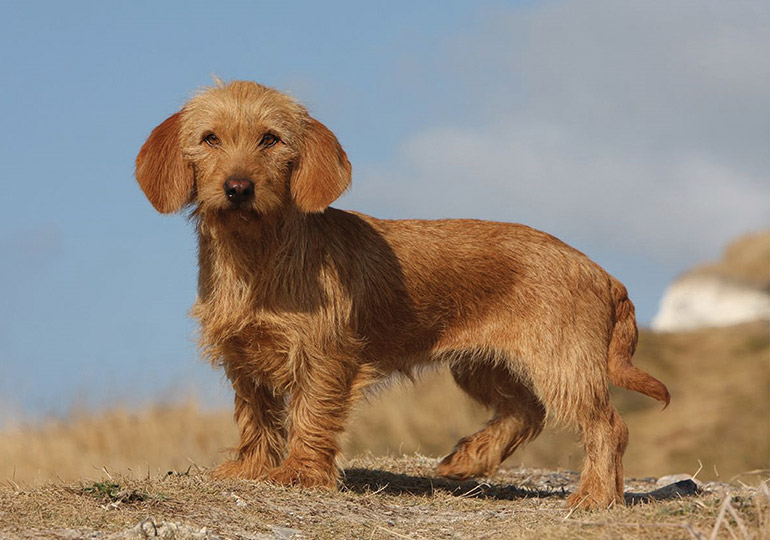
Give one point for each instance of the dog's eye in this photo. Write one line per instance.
(212, 140)
(268, 140)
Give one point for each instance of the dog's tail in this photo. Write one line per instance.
(622, 346)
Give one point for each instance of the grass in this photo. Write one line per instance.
(380, 498)
(746, 260)
(106, 472)
(719, 381)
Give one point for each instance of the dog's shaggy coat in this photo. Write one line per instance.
(305, 306)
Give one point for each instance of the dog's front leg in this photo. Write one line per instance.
(260, 416)
(318, 410)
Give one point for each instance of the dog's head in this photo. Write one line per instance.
(242, 147)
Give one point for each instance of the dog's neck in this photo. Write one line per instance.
(269, 259)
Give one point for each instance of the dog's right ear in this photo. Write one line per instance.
(166, 179)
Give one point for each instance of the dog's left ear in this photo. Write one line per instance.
(322, 172)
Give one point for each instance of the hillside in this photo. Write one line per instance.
(93, 475)
(378, 499)
(719, 381)
(746, 259)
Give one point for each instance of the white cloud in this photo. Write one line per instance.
(634, 126)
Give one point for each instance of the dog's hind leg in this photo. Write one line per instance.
(518, 418)
(605, 437)
(576, 393)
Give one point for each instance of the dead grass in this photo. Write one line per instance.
(100, 476)
(719, 381)
(381, 498)
(746, 259)
(156, 439)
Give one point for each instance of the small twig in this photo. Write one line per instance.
(198, 468)
(478, 487)
(14, 485)
(700, 468)
(738, 522)
(721, 518)
(394, 533)
(525, 480)
(765, 490)
(574, 508)
(625, 524)
(151, 521)
(749, 473)
(694, 532)
(382, 488)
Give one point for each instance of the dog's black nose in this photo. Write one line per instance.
(239, 189)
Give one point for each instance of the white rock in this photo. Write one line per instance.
(697, 301)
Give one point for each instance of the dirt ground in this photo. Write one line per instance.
(379, 498)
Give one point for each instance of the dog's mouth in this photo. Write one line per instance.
(242, 211)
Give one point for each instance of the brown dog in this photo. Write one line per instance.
(305, 306)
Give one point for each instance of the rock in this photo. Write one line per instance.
(674, 478)
(734, 290)
(284, 533)
(147, 528)
(701, 301)
(681, 488)
(672, 487)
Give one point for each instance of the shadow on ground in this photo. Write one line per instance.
(368, 480)
(361, 481)
(683, 488)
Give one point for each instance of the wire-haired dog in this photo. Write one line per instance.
(305, 306)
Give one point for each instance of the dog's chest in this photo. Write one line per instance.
(264, 352)
(269, 346)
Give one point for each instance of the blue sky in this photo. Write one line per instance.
(636, 131)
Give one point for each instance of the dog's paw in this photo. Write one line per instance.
(240, 469)
(581, 500)
(461, 465)
(292, 473)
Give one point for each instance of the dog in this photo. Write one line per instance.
(305, 306)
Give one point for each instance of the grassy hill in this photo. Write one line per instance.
(93, 474)
(746, 259)
(719, 415)
(379, 499)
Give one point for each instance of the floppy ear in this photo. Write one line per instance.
(165, 178)
(322, 172)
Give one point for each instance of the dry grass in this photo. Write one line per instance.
(92, 476)
(156, 439)
(381, 498)
(719, 381)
